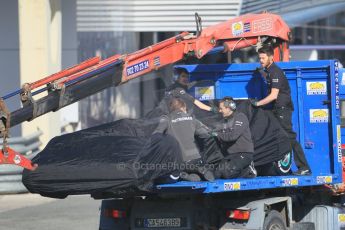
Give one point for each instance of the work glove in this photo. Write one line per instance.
(261, 71)
(254, 102)
(214, 134)
(214, 109)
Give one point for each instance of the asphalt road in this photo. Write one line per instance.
(34, 212)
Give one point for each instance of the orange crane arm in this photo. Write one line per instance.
(240, 32)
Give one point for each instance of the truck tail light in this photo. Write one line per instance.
(238, 214)
(113, 213)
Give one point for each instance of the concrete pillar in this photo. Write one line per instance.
(123, 101)
(40, 54)
(9, 55)
(69, 115)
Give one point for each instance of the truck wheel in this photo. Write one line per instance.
(274, 221)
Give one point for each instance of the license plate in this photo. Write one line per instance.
(176, 222)
(162, 222)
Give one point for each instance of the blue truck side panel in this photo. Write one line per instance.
(316, 95)
(342, 105)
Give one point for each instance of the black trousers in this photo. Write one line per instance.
(233, 166)
(284, 116)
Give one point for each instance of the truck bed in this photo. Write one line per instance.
(316, 118)
(242, 184)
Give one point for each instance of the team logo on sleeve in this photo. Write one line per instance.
(239, 123)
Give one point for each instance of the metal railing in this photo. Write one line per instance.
(11, 175)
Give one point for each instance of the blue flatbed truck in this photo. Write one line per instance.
(270, 202)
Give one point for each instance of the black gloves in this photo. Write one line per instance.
(254, 102)
(214, 134)
(261, 71)
(214, 109)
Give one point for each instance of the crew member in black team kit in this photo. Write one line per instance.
(280, 95)
(179, 89)
(183, 126)
(236, 142)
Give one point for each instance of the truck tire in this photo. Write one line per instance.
(274, 221)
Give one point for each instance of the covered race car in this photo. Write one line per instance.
(123, 158)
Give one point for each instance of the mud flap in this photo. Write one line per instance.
(15, 158)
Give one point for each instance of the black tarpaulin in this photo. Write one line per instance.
(107, 159)
(270, 140)
(90, 162)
